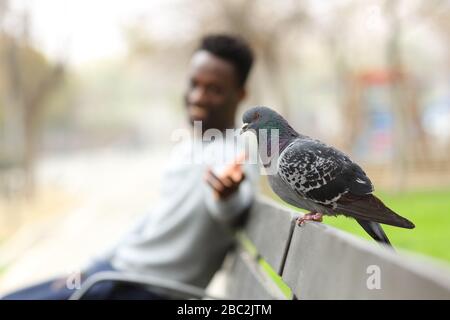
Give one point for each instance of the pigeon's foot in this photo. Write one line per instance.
(311, 216)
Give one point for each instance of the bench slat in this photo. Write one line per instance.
(325, 263)
(269, 227)
(248, 282)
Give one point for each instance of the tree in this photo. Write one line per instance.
(27, 79)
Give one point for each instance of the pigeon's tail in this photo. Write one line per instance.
(375, 231)
(370, 208)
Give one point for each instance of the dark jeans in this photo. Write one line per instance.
(56, 289)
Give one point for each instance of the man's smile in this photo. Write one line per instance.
(197, 113)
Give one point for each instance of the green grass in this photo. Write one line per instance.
(267, 269)
(428, 210)
(276, 278)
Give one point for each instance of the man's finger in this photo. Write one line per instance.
(238, 162)
(217, 192)
(227, 181)
(237, 176)
(240, 159)
(214, 181)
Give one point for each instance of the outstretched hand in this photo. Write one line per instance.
(227, 183)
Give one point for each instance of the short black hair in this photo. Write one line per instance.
(233, 49)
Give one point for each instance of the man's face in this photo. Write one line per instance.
(213, 93)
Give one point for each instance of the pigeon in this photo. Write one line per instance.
(312, 175)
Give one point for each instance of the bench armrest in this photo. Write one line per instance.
(171, 287)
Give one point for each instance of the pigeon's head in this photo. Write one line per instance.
(262, 118)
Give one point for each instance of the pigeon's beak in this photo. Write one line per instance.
(244, 128)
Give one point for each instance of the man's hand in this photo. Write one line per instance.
(228, 182)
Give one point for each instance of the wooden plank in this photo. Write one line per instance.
(325, 263)
(247, 281)
(269, 227)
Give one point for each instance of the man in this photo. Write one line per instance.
(186, 236)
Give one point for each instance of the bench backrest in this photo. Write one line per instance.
(276, 259)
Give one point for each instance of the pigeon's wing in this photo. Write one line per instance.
(326, 176)
(321, 173)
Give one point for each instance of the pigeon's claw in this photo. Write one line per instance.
(311, 216)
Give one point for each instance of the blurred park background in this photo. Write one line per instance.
(90, 92)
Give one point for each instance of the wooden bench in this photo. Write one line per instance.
(276, 259)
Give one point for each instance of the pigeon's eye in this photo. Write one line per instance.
(255, 116)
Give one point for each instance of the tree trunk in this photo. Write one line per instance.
(400, 163)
